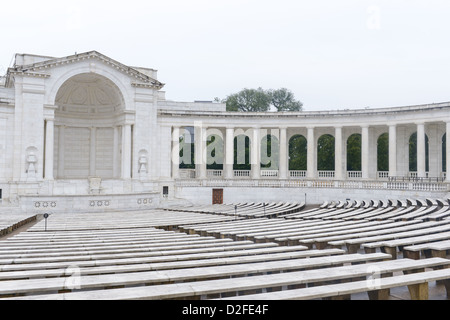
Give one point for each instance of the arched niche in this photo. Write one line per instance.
(88, 128)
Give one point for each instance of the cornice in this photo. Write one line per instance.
(37, 68)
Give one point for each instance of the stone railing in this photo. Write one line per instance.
(297, 173)
(320, 183)
(269, 173)
(382, 174)
(214, 173)
(354, 174)
(325, 174)
(242, 173)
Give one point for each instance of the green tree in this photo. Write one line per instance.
(250, 100)
(259, 100)
(283, 100)
(354, 152)
(298, 153)
(383, 152)
(325, 152)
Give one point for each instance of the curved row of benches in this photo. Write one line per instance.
(248, 209)
(11, 222)
(388, 226)
(205, 253)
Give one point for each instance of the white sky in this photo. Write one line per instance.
(333, 54)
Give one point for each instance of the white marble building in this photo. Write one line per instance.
(85, 132)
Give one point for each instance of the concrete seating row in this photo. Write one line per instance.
(395, 245)
(171, 262)
(91, 282)
(103, 221)
(417, 283)
(239, 285)
(149, 248)
(255, 210)
(251, 228)
(321, 233)
(13, 221)
(338, 238)
(394, 209)
(401, 228)
(428, 249)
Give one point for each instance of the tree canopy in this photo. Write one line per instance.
(260, 100)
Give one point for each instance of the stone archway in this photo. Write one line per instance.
(88, 128)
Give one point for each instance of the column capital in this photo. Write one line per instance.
(49, 111)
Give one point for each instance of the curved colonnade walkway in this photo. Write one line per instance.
(340, 249)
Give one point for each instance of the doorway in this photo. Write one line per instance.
(217, 196)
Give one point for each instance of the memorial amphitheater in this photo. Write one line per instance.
(110, 191)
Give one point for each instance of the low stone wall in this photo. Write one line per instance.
(89, 203)
(313, 195)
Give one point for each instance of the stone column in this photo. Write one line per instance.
(256, 154)
(200, 151)
(392, 150)
(116, 154)
(49, 140)
(229, 153)
(447, 151)
(338, 167)
(421, 173)
(126, 151)
(61, 144)
(175, 152)
(365, 151)
(311, 154)
(283, 166)
(204, 155)
(92, 152)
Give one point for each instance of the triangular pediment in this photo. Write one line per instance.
(38, 68)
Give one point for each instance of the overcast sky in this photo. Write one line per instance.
(332, 54)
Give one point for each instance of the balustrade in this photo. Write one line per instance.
(214, 173)
(242, 173)
(354, 174)
(269, 173)
(297, 173)
(325, 174)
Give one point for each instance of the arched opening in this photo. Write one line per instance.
(214, 152)
(413, 153)
(444, 153)
(354, 152)
(89, 127)
(298, 150)
(270, 152)
(325, 153)
(383, 152)
(242, 153)
(187, 148)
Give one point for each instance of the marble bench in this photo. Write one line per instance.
(417, 284)
(181, 275)
(300, 253)
(430, 249)
(250, 284)
(393, 246)
(349, 229)
(157, 257)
